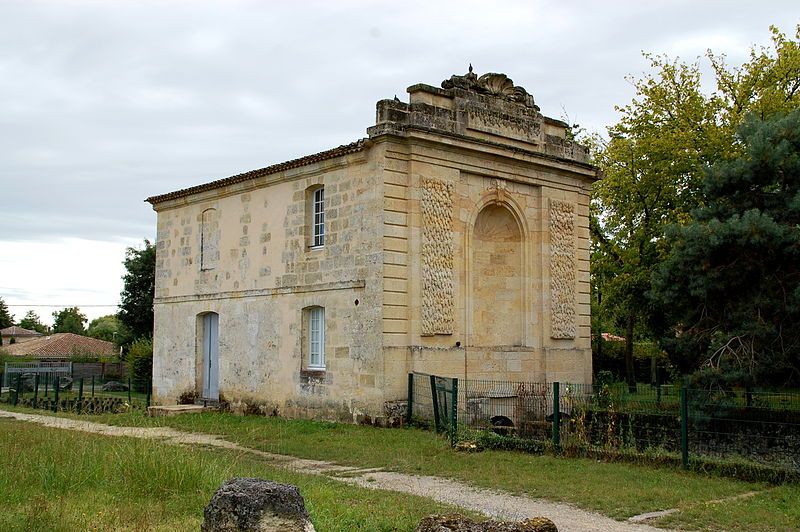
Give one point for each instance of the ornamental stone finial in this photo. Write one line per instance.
(493, 84)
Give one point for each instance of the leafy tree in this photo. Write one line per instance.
(140, 363)
(32, 322)
(652, 167)
(654, 164)
(69, 320)
(136, 307)
(732, 279)
(104, 328)
(6, 319)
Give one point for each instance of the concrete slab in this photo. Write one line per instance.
(174, 410)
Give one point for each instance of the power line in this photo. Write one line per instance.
(64, 306)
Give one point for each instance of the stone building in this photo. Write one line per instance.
(452, 240)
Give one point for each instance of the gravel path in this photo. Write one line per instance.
(492, 503)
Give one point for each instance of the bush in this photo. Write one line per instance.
(140, 363)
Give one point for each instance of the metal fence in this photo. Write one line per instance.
(57, 391)
(761, 428)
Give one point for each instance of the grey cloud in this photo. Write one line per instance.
(104, 105)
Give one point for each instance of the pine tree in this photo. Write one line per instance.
(731, 284)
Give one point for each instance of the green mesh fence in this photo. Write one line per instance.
(752, 426)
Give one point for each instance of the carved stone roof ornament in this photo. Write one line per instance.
(491, 83)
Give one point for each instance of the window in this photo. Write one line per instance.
(318, 220)
(316, 337)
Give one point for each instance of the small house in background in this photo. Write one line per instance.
(453, 240)
(61, 346)
(18, 334)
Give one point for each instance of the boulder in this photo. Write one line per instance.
(114, 386)
(255, 504)
(459, 523)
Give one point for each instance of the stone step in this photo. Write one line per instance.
(173, 410)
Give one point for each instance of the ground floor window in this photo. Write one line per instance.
(315, 318)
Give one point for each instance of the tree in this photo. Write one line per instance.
(105, 328)
(69, 320)
(140, 363)
(732, 279)
(32, 322)
(654, 164)
(6, 319)
(136, 307)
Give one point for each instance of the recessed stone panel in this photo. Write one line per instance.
(437, 257)
(562, 269)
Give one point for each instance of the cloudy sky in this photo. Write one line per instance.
(104, 103)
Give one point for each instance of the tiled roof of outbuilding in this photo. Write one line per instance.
(18, 332)
(61, 345)
(345, 149)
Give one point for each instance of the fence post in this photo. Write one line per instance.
(556, 418)
(410, 402)
(149, 391)
(684, 428)
(16, 391)
(36, 391)
(46, 383)
(435, 402)
(454, 414)
(80, 390)
(92, 386)
(129, 389)
(56, 382)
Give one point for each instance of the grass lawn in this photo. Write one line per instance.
(619, 490)
(54, 479)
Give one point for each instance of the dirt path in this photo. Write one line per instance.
(488, 502)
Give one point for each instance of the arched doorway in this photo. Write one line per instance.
(497, 273)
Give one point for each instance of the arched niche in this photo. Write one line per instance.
(497, 270)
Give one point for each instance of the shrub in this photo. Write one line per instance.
(140, 363)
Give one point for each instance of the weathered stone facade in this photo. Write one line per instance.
(456, 242)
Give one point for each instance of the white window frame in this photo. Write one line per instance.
(318, 218)
(316, 338)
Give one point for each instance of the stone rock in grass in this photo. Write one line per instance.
(114, 386)
(459, 523)
(255, 504)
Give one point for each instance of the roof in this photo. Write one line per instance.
(345, 149)
(62, 345)
(18, 332)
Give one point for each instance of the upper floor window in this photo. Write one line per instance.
(318, 220)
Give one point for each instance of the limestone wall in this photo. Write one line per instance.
(506, 288)
(264, 274)
(456, 243)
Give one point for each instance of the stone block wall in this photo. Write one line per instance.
(265, 276)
